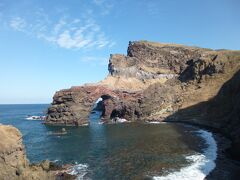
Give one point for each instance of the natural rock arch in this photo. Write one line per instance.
(73, 106)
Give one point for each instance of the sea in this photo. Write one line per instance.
(162, 151)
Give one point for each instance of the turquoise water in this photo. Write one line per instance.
(117, 151)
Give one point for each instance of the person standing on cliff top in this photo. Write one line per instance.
(110, 67)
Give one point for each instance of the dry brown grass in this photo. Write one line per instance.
(158, 44)
(133, 84)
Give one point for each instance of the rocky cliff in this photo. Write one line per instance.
(152, 82)
(13, 161)
(221, 112)
(157, 81)
(73, 106)
(14, 164)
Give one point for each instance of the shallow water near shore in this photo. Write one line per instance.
(116, 151)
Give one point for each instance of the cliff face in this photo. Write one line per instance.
(146, 60)
(200, 81)
(221, 112)
(13, 161)
(152, 82)
(161, 82)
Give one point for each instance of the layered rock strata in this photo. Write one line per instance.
(161, 82)
(153, 81)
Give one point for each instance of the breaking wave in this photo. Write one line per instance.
(79, 170)
(155, 122)
(202, 164)
(35, 117)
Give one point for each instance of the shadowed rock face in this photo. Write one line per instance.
(222, 112)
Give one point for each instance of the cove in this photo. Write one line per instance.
(115, 151)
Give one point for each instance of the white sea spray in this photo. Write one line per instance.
(202, 164)
(80, 170)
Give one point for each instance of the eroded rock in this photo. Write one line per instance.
(155, 82)
(80, 102)
(13, 161)
(152, 82)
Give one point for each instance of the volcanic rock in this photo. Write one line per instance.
(13, 161)
(157, 82)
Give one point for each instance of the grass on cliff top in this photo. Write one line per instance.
(158, 44)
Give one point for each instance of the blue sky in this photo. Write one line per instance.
(48, 45)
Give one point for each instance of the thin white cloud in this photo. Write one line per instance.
(66, 33)
(59, 25)
(18, 23)
(76, 40)
(76, 34)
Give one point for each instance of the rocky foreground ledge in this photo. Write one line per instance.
(161, 82)
(14, 164)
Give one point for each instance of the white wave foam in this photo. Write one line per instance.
(56, 160)
(155, 122)
(202, 164)
(35, 117)
(79, 170)
(121, 120)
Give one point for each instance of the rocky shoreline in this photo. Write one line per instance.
(226, 166)
(15, 165)
(165, 82)
(161, 82)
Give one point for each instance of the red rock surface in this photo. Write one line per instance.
(73, 106)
